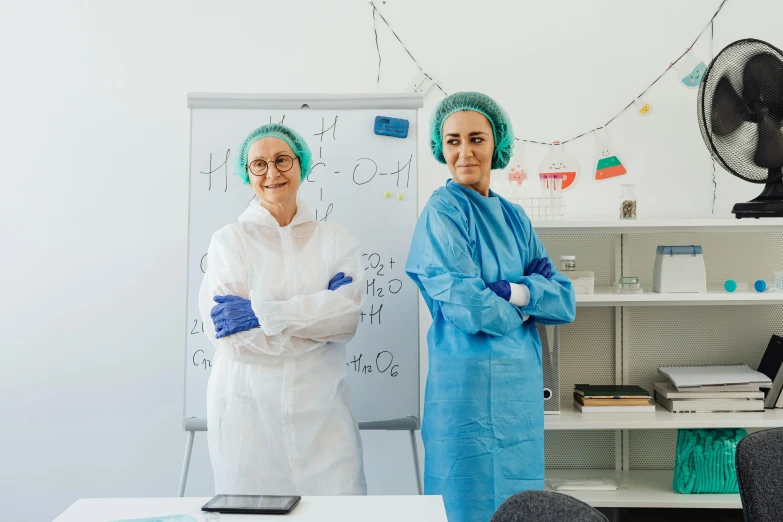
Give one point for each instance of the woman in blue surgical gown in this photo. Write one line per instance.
(486, 279)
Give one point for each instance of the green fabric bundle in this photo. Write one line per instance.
(705, 461)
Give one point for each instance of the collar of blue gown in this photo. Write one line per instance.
(490, 202)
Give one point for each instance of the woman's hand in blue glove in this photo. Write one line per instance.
(501, 288)
(232, 315)
(339, 280)
(541, 267)
(516, 294)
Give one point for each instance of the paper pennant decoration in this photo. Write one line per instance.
(517, 172)
(560, 162)
(690, 70)
(642, 107)
(609, 165)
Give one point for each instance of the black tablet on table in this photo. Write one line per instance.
(252, 504)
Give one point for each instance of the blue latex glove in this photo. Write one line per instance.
(232, 315)
(501, 288)
(541, 267)
(339, 280)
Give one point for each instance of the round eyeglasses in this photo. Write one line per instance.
(259, 167)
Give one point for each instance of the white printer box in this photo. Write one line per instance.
(679, 269)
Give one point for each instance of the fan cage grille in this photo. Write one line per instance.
(735, 151)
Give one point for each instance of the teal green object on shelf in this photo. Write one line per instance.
(705, 461)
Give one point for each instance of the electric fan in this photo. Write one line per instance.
(740, 109)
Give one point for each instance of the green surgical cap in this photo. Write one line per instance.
(502, 130)
(273, 130)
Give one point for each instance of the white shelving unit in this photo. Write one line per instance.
(605, 296)
(572, 419)
(650, 488)
(642, 489)
(659, 225)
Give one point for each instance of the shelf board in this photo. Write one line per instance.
(658, 226)
(605, 296)
(570, 418)
(643, 489)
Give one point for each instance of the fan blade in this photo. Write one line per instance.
(727, 109)
(769, 151)
(762, 81)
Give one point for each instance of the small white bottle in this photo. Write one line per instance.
(567, 263)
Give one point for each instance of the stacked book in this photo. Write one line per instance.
(722, 388)
(612, 399)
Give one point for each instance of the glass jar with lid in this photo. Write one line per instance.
(567, 263)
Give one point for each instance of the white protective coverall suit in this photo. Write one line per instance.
(279, 410)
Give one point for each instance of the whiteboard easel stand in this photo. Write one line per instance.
(409, 424)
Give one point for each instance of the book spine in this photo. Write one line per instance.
(772, 395)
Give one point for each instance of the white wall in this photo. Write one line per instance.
(94, 134)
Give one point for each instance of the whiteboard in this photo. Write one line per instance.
(362, 181)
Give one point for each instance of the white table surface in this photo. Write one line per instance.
(404, 508)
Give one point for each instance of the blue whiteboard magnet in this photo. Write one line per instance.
(394, 127)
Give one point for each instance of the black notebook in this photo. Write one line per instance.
(613, 391)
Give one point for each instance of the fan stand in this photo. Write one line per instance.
(768, 204)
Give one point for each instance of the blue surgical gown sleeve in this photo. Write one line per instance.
(552, 301)
(441, 265)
